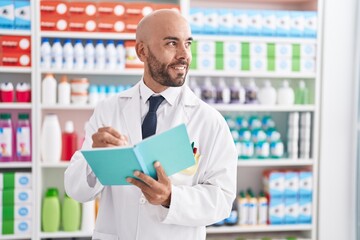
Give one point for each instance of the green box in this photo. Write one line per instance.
(9, 180)
(245, 49)
(295, 65)
(8, 227)
(193, 64)
(245, 63)
(271, 53)
(296, 51)
(8, 197)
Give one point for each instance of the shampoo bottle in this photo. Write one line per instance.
(50, 215)
(267, 94)
(285, 95)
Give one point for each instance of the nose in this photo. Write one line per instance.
(183, 52)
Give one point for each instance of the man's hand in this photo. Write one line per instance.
(156, 192)
(108, 137)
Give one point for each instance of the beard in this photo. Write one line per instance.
(160, 71)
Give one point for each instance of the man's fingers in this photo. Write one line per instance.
(162, 177)
(146, 179)
(104, 139)
(110, 130)
(144, 188)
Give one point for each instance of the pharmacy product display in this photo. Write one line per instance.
(299, 135)
(15, 15)
(16, 51)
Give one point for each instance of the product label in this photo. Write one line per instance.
(5, 142)
(23, 141)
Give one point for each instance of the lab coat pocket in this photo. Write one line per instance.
(104, 236)
(187, 176)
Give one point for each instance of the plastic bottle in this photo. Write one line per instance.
(6, 138)
(71, 214)
(267, 94)
(6, 92)
(45, 52)
(234, 217)
(88, 216)
(68, 52)
(285, 94)
(79, 55)
(208, 91)
(243, 209)
(111, 55)
(110, 91)
(251, 92)
(51, 139)
(263, 209)
(64, 91)
(102, 92)
(195, 87)
(222, 92)
(48, 90)
(69, 141)
(100, 57)
(93, 95)
(237, 92)
(253, 207)
(120, 55)
(89, 54)
(57, 54)
(50, 215)
(23, 138)
(301, 94)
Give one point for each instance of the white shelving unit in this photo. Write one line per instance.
(16, 106)
(256, 229)
(14, 32)
(15, 69)
(249, 74)
(126, 72)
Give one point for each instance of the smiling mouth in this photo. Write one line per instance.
(180, 68)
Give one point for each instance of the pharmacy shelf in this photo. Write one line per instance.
(15, 165)
(269, 228)
(10, 237)
(85, 35)
(15, 105)
(61, 164)
(68, 107)
(125, 72)
(15, 69)
(199, 37)
(274, 162)
(262, 108)
(60, 234)
(249, 74)
(14, 32)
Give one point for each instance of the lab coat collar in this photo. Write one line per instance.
(170, 94)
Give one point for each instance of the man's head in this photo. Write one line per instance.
(163, 40)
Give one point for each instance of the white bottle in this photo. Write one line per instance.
(64, 91)
(222, 92)
(267, 94)
(100, 57)
(101, 92)
(68, 52)
(111, 55)
(93, 95)
(79, 54)
(251, 92)
(120, 55)
(51, 139)
(45, 54)
(56, 54)
(89, 54)
(285, 94)
(111, 91)
(88, 216)
(48, 90)
(237, 92)
(208, 91)
(194, 87)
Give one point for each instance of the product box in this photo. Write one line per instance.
(310, 24)
(53, 23)
(111, 24)
(276, 211)
(283, 50)
(283, 64)
(308, 50)
(16, 59)
(283, 23)
(7, 14)
(81, 9)
(258, 64)
(307, 65)
(211, 21)
(15, 212)
(274, 183)
(17, 196)
(305, 184)
(255, 22)
(131, 24)
(245, 49)
(258, 49)
(138, 9)
(111, 9)
(196, 20)
(18, 180)
(245, 63)
(297, 24)
(232, 48)
(82, 24)
(22, 14)
(225, 19)
(11, 44)
(16, 227)
(132, 61)
(305, 210)
(205, 62)
(268, 23)
(232, 63)
(54, 8)
(241, 22)
(291, 184)
(291, 210)
(206, 47)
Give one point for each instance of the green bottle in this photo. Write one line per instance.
(71, 214)
(50, 217)
(302, 94)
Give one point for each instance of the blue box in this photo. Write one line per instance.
(282, 23)
(305, 210)
(226, 19)
(310, 24)
(305, 184)
(268, 23)
(276, 211)
(255, 22)
(211, 23)
(7, 14)
(291, 184)
(240, 22)
(22, 14)
(297, 24)
(274, 184)
(291, 210)
(196, 20)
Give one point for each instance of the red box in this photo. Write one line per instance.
(15, 44)
(16, 59)
(82, 24)
(139, 10)
(111, 24)
(83, 9)
(131, 24)
(175, 7)
(53, 23)
(53, 8)
(111, 9)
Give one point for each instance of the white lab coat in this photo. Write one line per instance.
(196, 201)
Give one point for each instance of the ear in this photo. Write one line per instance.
(140, 51)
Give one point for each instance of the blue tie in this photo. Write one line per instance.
(149, 124)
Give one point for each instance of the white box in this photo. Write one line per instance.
(22, 14)
(23, 196)
(305, 210)
(268, 23)
(307, 65)
(283, 23)
(291, 184)
(232, 48)
(305, 183)
(291, 211)
(206, 62)
(206, 47)
(23, 180)
(258, 64)
(255, 22)
(196, 20)
(276, 211)
(310, 24)
(211, 23)
(20, 226)
(283, 65)
(258, 49)
(297, 25)
(283, 50)
(232, 63)
(274, 183)
(21, 211)
(7, 14)
(308, 50)
(241, 22)
(226, 21)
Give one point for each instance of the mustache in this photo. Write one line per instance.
(180, 62)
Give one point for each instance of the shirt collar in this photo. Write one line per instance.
(170, 94)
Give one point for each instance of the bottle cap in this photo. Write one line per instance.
(52, 192)
(110, 42)
(267, 84)
(68, 41)
(23, 116)
(69, 126)
(64, 78)
(301, 84)
(285, 84)
(222, 83)
(89, 41)
(5, 116)
(78, 41)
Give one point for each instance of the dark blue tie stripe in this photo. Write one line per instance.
(149, 124)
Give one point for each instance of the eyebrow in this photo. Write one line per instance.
(177, 39)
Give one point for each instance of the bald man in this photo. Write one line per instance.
(177, 206)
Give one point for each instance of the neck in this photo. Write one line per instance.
(153, 85)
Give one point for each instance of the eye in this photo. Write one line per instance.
(172, 43)
(188, 44)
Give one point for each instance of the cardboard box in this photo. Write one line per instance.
(268, 23)
(11, 44)
(308, 50)
(196, 20)
(305, 184)
(307, 65)
(258, 49)
(16, 59)
(15, 180)
(232, 63)
(82, 9)
(7, 14)
(226, 21)
(291, 184)
(111, 24)
(274, 183)
(232, 48)
(16, 196)
(310, 24)
(276, 211)
(291, 210)
(53, 8)
(283, 23)
(53, 23)
(297, 24)
(16, 227)
(22, 14)
(82, 24)
(283, 65)
(138, 9)
(258, 64)
(240, 22)
(111, 9)
(305, 210)
(283, 50)
(255, 22)
(16, 212)
(211, 21)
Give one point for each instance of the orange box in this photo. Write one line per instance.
(139, 9)
(132, 61)
(16, 59)
(82, 24)
(158, 6)
(15, 44)
(111, 24)
(131, 24)
(111, 9)
(83, 9)
(53, 8)
(53, 23)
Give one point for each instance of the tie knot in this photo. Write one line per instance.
(155, 102)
